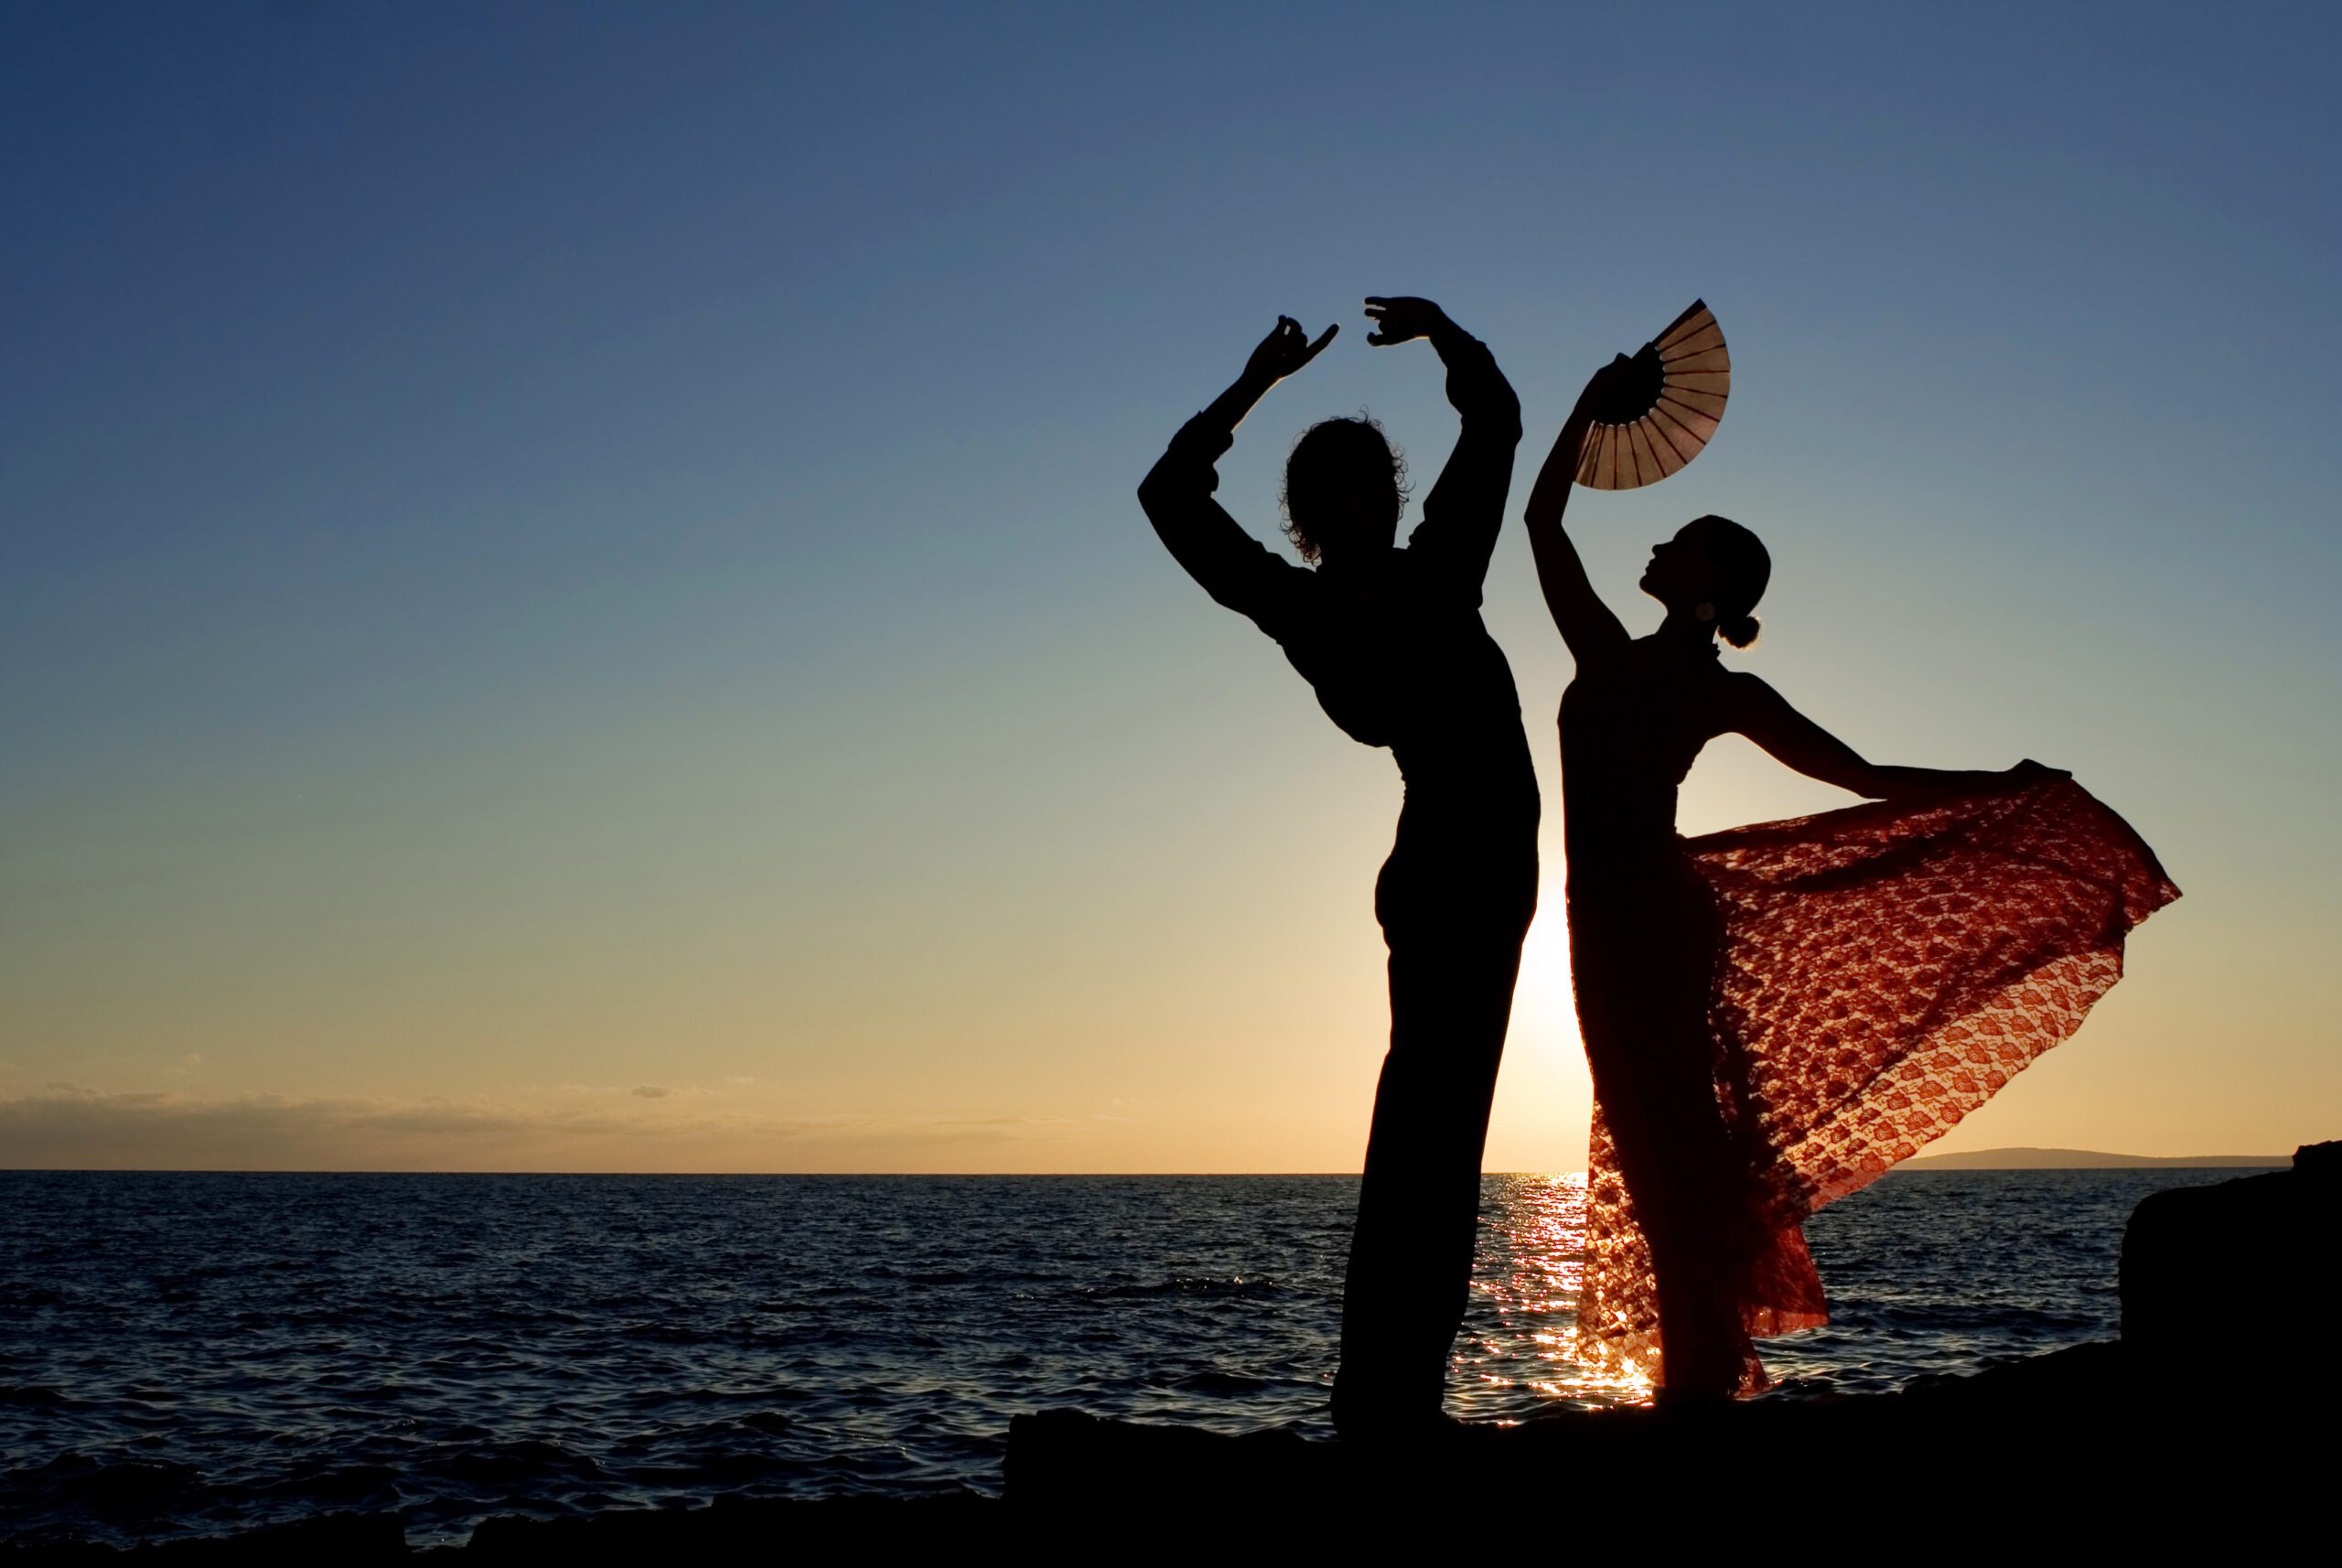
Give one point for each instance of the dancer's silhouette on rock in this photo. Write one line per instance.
(1774, 1016)
(1391, 638)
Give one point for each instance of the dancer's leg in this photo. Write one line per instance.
(1679, 1159)
(1410, 1253)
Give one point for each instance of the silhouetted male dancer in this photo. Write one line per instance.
(1391, 638)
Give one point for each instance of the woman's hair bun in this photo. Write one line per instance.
(1740, 630)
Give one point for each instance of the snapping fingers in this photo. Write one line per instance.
(1401, 320)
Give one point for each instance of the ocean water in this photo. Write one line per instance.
(195, 1354)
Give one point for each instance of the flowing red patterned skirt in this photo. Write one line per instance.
(1870, 976)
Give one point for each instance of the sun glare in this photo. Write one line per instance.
(1542, 1007)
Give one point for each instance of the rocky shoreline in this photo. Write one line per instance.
(2207, 1423)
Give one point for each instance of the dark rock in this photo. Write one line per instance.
(2242, 1266)
(737, 1528)
(2090, 1447)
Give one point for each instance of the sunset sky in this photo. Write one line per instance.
(571, 596)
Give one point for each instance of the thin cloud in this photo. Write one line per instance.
(68, 1126)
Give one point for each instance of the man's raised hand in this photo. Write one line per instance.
(1402, 318)
(1285, 349)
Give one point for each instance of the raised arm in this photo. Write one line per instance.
(1587, 623)
(1465, 510)
(1233, 568)
(1765, 716)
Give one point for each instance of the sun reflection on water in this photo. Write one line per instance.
(1518, 1352)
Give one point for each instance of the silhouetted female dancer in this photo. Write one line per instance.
(1775, 1016)
(1391, 638)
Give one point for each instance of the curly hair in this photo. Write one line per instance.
(1334, 450)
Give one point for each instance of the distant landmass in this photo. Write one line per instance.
(2083, 1159)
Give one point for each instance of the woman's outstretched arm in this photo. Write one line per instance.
(1585, 622)
(1765, 716)
(1176, 494)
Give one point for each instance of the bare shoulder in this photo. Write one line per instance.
(1747, 699)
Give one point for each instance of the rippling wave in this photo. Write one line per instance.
(200, 1353)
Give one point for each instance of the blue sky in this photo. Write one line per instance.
(551, 551)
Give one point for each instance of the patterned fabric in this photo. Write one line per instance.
(1882, 970)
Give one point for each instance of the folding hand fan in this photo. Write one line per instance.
(1659, 407)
